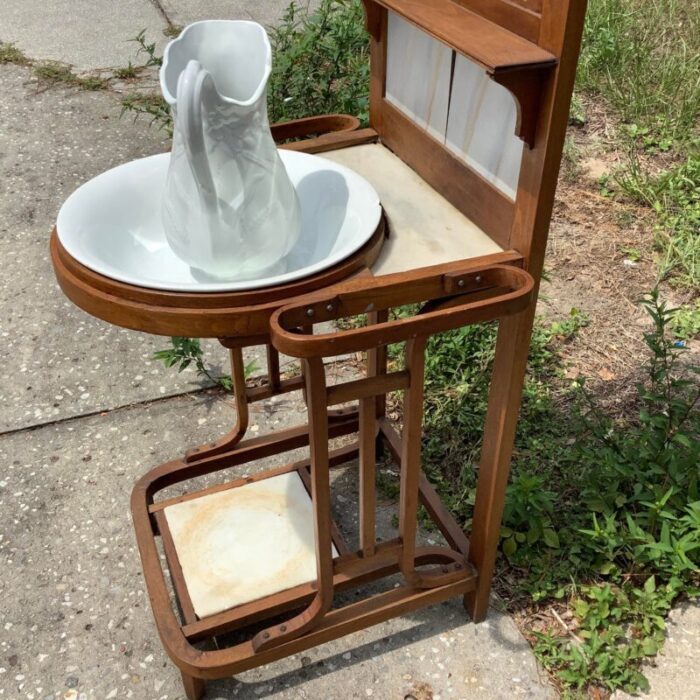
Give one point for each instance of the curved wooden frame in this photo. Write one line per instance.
(194, 314)
(452, 300)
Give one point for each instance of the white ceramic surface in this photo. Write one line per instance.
(418, 75)
(112, 224)
(455, 101)
(230, 209)
(424, 228)
(481, 126)
(245, 543)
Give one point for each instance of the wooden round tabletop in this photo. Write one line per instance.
(193, 314)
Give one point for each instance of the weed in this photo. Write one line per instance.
(571, 157)
(321, 65)
(127, 72)
(631, 253)
(685, 323)
(617, 628)
(644, 59)
(187, 351)
(637, 488)
(610, 504)
(173, 30)
(55, 72)
(577, 111)
(152, 58)
(321, 61)
(604, 185)
(150, 104)
(9, 53)
(51, 72)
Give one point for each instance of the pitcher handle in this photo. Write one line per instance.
(190, 85)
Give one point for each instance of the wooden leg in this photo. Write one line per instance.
(410, 457)
(311, 617)
(376, 365)
(273, 367)
(194, 687)
(240, 394)
(509, 366)
(377, 358)
(368, 475)
(371, 409)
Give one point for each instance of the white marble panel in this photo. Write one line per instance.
(481, 126)
(418, 75)
(424, 228)
(245, 543)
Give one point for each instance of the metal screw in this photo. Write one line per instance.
(266, 635)
(283, 628)
(329, 308)
(444, 569)
(478, 279)
(460, 283)
(309, 312)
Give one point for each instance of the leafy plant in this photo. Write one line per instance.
(685, 323)
(188, 351)
(609, 504)
(152, 105)
(528, 512)
(616, 629)
(149, 49)
(321, 61)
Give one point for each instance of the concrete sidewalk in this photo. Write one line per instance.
(93, 34)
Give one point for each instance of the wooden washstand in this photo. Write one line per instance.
(468, 110)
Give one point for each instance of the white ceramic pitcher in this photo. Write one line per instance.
(229, 208)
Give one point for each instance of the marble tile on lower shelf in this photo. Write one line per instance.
(244, 543)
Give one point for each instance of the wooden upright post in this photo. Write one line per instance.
(560, 34)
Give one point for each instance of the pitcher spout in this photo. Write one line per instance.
(237, 55)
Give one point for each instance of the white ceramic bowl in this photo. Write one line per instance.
(112, 224)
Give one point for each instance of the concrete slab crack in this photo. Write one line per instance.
(162, 11)
(104, 411)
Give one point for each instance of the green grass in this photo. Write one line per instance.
(643, 60)
(674, 195)
(643, 57)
